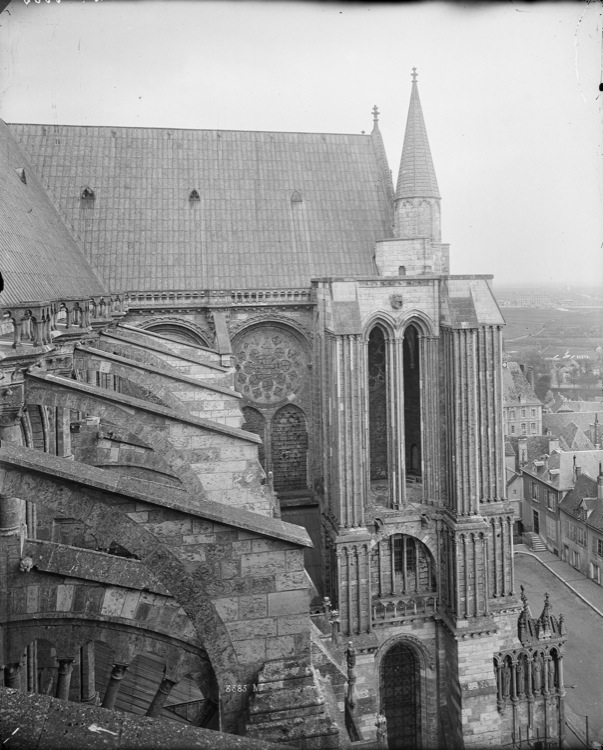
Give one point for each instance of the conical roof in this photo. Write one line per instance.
(416, 178)
(39, 258)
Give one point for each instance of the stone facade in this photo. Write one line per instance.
(290, 499)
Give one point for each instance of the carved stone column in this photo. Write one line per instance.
(117, 674)
(88, 687)
(64, 678)
(163, 691)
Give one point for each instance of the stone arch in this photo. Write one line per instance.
(123, 417)
(238, 327)
(37, 431)
(426, 536)
(289, 448)
(402, 566)
(383, 319)
(139, 470)
(176, 329)
(123, 349)
(421, 321)
(142, 385)
(88, 506)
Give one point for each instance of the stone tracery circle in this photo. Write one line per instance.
(271, 364)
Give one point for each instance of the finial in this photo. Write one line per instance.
(524, 598)
(375, 112)
(414, 75)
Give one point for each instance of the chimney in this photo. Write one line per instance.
(522, 449)
(600, 483)
(553, 445)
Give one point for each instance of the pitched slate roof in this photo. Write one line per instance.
(516, 387)
(39, 258)
(416, 176)
(585, 405)
(559, 471)
(536, 445)
(274, 209)
(468, 302)
(557, 423)
(584, 494)
(573, 439)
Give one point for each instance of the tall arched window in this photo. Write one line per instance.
(377, 393)
(289, 449)
(412, 403)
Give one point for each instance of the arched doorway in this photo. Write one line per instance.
(400, 692)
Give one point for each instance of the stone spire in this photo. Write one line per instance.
(416, 178)
(417, 198)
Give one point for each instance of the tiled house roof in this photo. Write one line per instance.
(582, 503)
(516, 388)
(39, 259)
(558, 470)
(573, 439)
(271, 210)
(536, 445)
(557, 423)
(585, 405)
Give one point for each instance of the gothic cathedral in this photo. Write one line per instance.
(255, 356)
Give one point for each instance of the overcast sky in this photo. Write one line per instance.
(509, 93)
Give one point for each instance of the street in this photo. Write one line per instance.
(583, 660)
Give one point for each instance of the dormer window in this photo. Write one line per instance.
(21, 172)
(87, 194)
(194, 195)
(296, 197)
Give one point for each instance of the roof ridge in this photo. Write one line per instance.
(189, 130)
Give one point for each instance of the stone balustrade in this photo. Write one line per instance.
(202, 298)
(392, 609)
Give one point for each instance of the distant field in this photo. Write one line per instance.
(545, 325)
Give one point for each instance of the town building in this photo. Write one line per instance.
(522, 409)
(252, 447)
(547, 480)
(581, 517)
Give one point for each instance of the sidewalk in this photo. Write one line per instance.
(589, 591)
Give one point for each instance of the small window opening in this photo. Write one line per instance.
(194, 195)
(401, 270)
(296, 197)
(21, 172)
(87, 194)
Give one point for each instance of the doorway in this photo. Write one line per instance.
(400, 692)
